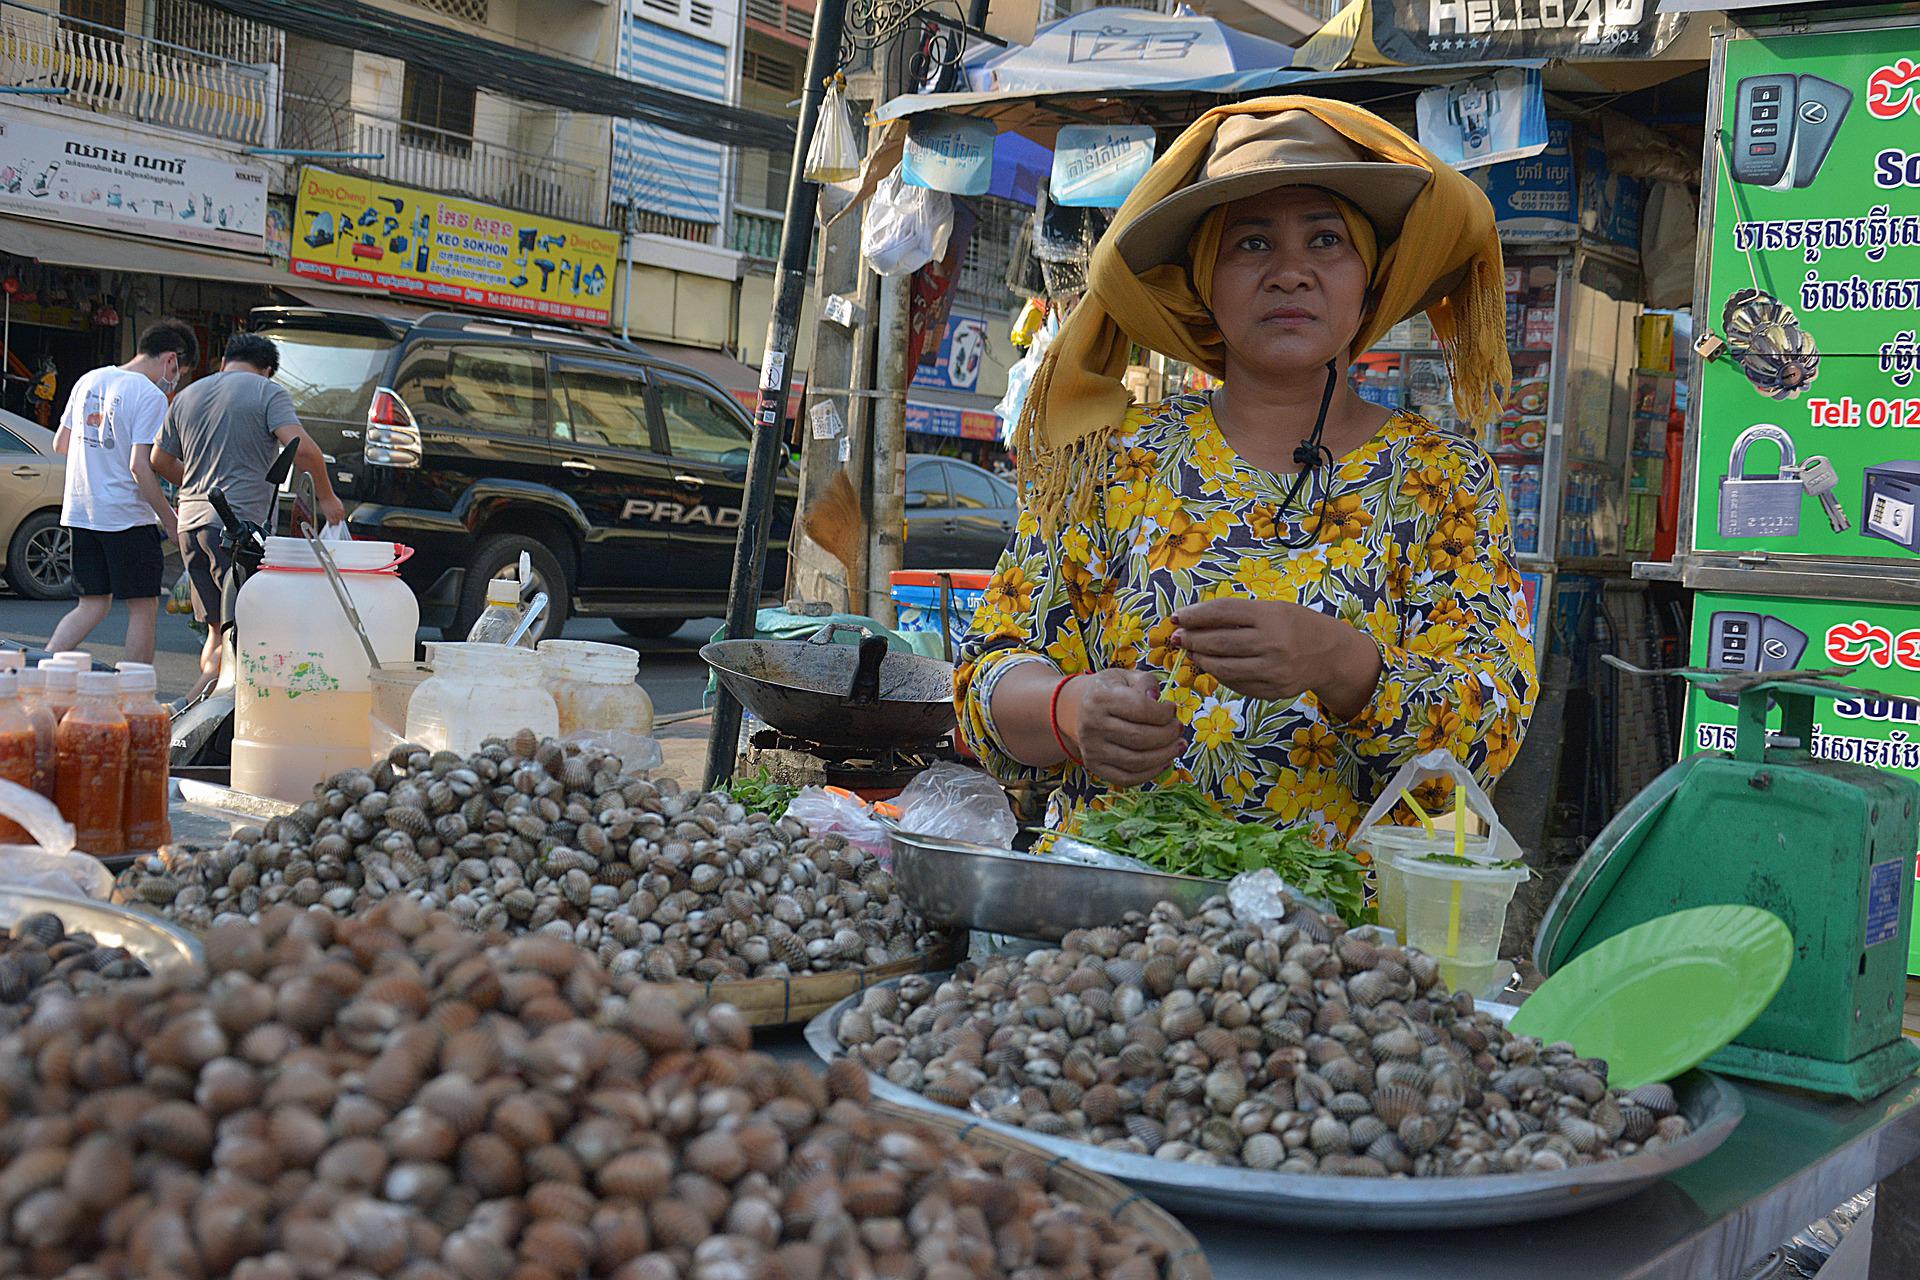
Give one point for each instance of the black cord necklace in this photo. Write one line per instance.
(1310, 455)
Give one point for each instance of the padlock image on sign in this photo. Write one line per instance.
(1754, 506)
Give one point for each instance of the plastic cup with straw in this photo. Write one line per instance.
(1456, 906)
(1389, 843)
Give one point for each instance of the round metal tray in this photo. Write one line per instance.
(1340, 1204)
(961, 885)
(162, 947)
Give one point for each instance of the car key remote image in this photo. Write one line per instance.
(1817, 478)
(1763, 119)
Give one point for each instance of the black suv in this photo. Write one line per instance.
(473, 440)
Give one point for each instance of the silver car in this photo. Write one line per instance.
(33, 479)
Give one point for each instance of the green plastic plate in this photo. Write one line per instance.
(1662, 997)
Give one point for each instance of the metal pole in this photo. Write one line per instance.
(776, 374)
(626, 293)
(889, 445)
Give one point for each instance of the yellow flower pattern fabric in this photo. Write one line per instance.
(1408, 541)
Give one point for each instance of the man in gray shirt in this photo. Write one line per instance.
(223, 433)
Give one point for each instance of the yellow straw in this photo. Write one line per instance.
(1418, 812)
(1459, 851)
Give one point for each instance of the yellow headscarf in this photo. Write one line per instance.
(1077, 398)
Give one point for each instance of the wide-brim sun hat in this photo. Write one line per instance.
(1252, 155)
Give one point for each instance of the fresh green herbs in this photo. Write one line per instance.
(1179, 830)
(1477, 864)
(760, 793)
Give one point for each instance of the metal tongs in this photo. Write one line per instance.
(309, 504)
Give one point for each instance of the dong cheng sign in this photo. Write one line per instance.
(1428, 31)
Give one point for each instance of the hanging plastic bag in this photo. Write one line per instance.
(1020, 377)
(834, 155)
(1501, 846)
(952, 800)
(335, 533)
(837, 811)
(51, 864)
(906, 228)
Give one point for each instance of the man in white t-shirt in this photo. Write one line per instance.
(115, 508)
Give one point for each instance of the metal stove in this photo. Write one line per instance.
(869, 774)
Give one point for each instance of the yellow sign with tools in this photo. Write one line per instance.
(370, 234)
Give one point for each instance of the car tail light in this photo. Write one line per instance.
(393, 438)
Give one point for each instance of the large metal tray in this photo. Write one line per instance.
(163, 948)
(1343, 1204)
(961, 885)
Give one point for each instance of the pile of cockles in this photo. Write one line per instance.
(403, 1097)
(1293, 1045)
(530, 836)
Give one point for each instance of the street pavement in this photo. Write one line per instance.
(670, 669)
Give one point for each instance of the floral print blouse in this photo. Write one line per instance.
(1410, 544)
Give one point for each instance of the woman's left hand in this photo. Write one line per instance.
(1276, 651)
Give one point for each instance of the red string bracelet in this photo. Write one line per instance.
(1053, 716)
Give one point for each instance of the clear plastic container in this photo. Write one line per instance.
(594, 687)
(303, 698)
(16, 749)
(62, 687)
(1390, 843)
(46, 727)
(1455, 914)
(149, 746)
(93, 766)
(481, 691)
(502, 614)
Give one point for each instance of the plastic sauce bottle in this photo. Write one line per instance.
(93, 765)
(149, 742)
(46, 758)
(502, 614)
(62, 686)
(16, 750)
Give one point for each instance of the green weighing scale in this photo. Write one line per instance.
(1826, 846)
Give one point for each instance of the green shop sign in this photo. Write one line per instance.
(1809, 438)
(1878, 643)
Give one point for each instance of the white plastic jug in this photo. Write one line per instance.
(481, 691)
(302, 696)
(594, 686)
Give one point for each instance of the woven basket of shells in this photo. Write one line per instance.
(1292, 1071)
(528, 836)
(795, 1001)
(398, 1096)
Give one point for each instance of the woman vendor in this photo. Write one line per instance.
(1276, 589)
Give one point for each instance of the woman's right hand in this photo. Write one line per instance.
(1119, 726)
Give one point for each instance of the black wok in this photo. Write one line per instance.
(835, 694)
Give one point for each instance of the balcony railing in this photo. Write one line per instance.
(137, 78)
(421, 156)
(756, 233)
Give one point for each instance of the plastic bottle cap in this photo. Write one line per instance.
(32, 680)
(60, 676)
(137, 677)
(94, 683)
(133, 666)
(12, 659)
(503, 591)
(75, 657)
(9, 683)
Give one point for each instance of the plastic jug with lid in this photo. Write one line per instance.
(302, 692)
(480, 691)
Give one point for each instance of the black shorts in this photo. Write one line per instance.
(126, 564)
(209, 572)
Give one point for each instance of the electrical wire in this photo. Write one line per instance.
(523, 73)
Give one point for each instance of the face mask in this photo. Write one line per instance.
(167, 385)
